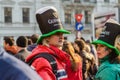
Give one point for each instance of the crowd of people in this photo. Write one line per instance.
(51, 56)
(21, 47)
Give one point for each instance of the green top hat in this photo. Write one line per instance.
(109, 35)
(49, 22)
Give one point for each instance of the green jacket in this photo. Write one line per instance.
(108, 71)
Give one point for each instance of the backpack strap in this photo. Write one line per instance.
(49, 58)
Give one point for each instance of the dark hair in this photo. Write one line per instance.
(65, 38)
(22, 41)
(9, 40)
(113, 57)
(65, 47)
(34, 38)
(29, 41)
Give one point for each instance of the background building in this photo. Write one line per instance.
(17, 17)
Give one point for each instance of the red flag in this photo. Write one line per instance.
(78, 17)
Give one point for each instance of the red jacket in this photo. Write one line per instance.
(43, 67)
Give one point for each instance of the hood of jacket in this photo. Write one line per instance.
(63, 56)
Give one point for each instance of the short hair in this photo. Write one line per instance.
(9, 40)
(22, 41)
(34, 38)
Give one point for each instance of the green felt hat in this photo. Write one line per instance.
(49, 22)
(110, 36)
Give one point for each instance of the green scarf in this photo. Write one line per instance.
(104, 59)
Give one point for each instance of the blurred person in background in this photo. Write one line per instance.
(92, 66)
(9, 45)
(93, 51)
(22, 43)
(34, 39)
(29, 41)
(12, 68)
(108, 51)
(88, 63)
(74, 66)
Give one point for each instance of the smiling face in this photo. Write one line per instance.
(102, 51)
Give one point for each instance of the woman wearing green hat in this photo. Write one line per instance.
(108, 51)
(50, 43)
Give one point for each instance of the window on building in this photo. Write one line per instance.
(90, 1)
(67, 17)
(87, 16)
(8, 14)
(107, 1)
(25, 12)
(65, 0)
(119, 1)
(87, 0)
(77, 1)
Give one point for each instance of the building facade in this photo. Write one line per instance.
(17, 17)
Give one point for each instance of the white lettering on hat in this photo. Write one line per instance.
(51, 21)
(105, 33)
(57, 24)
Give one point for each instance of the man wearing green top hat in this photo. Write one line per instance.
(108, 51)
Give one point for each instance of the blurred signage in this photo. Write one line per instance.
(78, 17)
(79, 26)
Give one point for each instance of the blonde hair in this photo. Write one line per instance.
(45, 42)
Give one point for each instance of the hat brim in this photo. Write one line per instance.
(106, 44)
(51, 33)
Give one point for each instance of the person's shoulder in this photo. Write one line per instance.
(1, 50)
(16, 67)
(115, 67)
(107, 67)
(41, 62)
